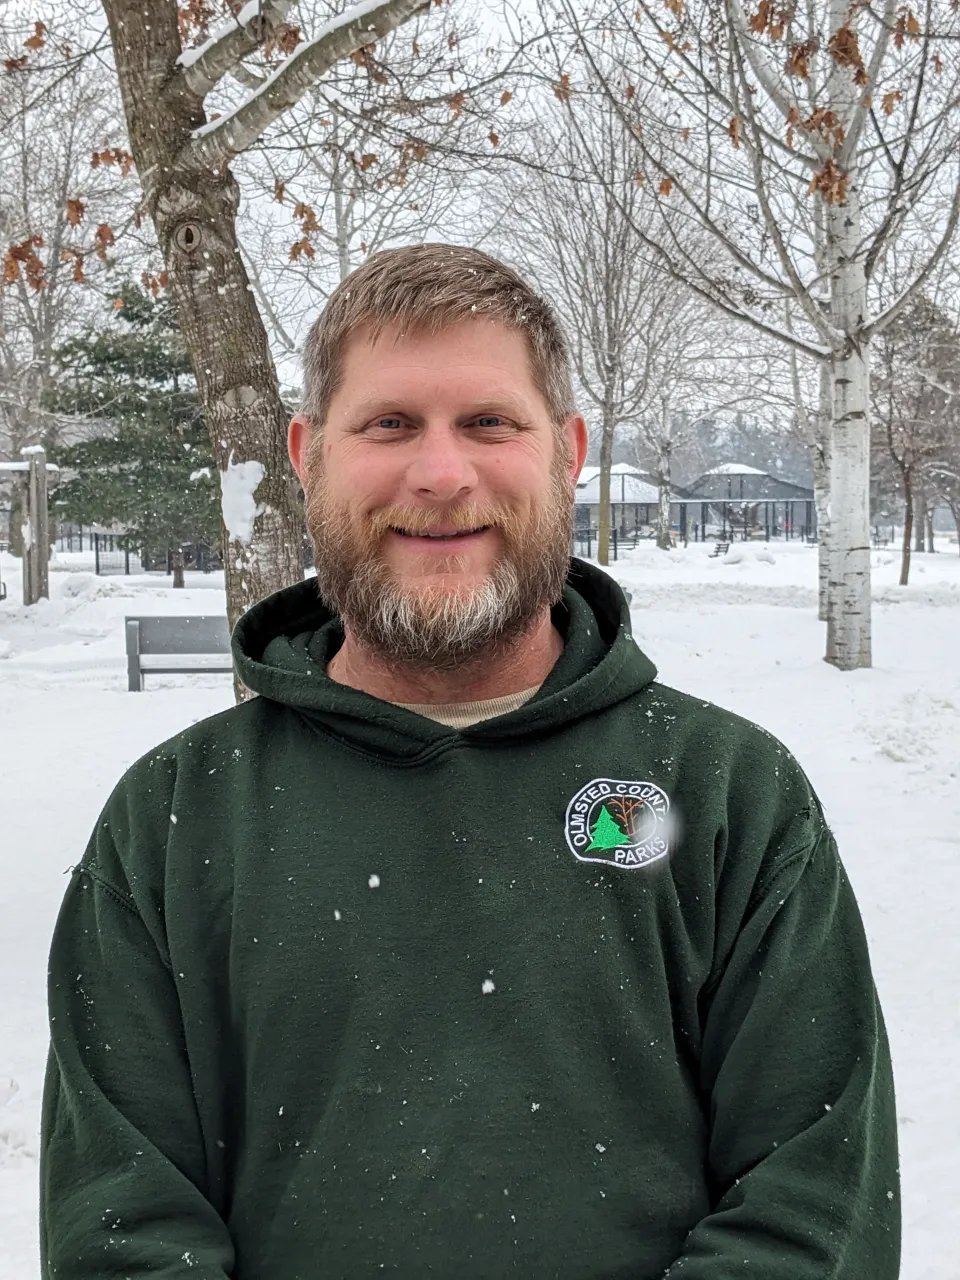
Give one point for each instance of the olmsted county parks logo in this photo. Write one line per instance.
(623, 824)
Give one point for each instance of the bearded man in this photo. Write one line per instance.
(465, 948)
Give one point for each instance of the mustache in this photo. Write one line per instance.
(463, 518)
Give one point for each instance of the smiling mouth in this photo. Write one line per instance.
(440, 537)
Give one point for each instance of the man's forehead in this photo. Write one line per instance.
(394, 343)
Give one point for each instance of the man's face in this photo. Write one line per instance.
(439, 493)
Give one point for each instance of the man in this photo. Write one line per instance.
(465, 949)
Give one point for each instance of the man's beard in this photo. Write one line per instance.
(429, 626)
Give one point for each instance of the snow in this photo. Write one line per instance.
(238, 484)
(356, 13)
(734, 469)
(242, 19)
(881, 746)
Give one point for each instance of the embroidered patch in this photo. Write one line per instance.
(624, 824)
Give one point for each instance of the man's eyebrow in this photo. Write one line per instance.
(496, 403)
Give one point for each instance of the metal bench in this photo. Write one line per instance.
(720, 549)
(176, 646)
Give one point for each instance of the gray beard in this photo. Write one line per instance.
(444, 630)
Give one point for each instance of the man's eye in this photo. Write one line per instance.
(490, 420)
(389, 423)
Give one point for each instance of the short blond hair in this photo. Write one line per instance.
(427, 288)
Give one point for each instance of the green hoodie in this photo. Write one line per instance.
(579, 992)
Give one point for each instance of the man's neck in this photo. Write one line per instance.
(524, 665)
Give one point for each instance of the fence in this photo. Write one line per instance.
(585, 540)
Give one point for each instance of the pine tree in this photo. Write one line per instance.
(148, 466)
(605, 834)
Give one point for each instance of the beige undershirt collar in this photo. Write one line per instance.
(461, 715)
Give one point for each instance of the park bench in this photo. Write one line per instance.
(176, 646)
(720, 549)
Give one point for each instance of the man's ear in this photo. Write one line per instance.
(575, 433)
(298, 441)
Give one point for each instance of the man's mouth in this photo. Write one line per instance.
(441, 535)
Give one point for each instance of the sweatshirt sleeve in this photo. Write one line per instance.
(799, 1090)
(122, 1152)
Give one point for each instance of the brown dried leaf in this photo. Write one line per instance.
(103, 239)
(844, 48)
(830, 183)
(562, 89)
(456, 101)
(798, 59)
(16, 64)
(283, 39)
(494, 138)
(666, 186)
(279, 187)
(505, 97)
(733, 129)
(37, 40)
(308, 217)
(75, 211)
(890, 101)
(675, 7)
(771, 19)
(78, 276)
(630, 91)
(367, 159)
(302, 248)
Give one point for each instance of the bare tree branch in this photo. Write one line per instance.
(221, 140)
(198, 70)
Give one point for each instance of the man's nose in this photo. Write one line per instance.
(442, 468)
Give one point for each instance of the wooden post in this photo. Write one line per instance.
(36, 531)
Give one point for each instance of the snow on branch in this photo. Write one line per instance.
(221, 140)
(201, 68)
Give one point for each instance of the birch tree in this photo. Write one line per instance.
(803, 140)
(184, 157)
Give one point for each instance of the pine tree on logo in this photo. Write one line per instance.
(605, 834)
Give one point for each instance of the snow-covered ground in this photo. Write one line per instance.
(881, 746)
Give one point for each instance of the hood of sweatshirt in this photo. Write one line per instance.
(282, 645)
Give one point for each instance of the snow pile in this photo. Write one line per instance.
(749, 552)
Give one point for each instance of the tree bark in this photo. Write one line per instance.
(820, 453)
(908, 509)
(848, 587)
(607, 429)
(920, 514)
(194, 213)
(176, 564)
(929, 526)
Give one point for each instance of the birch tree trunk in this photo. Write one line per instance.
(848, 584)
(607, 429)
(820, 454)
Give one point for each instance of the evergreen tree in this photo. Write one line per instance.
(605, 834)
(148, 464)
